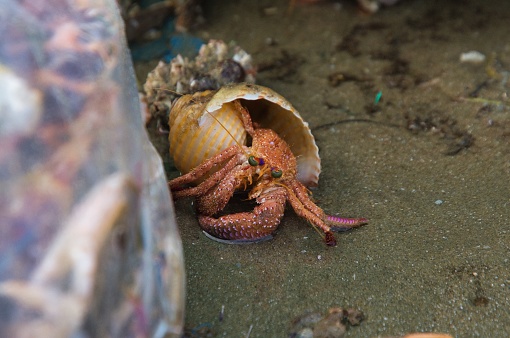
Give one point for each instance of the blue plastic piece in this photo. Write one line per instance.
(378, 97)
(186, 45)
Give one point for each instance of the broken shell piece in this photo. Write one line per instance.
(472, 57)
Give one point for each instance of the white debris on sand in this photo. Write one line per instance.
(472, 57)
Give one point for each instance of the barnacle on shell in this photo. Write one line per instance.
(217, 64)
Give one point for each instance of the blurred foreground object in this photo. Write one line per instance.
(88, 241)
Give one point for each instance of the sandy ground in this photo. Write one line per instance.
(428, 165)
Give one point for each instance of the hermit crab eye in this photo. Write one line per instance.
(255, 161)
(276, 173)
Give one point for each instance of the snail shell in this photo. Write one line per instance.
(195, 135)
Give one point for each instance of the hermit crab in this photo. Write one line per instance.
(247, 137)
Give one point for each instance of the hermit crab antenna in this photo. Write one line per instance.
(228, 132)
(218, 121)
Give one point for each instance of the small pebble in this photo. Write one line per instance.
(337, 6)
(270, 11)
(270, 41)
(472, 57)
(305, 333)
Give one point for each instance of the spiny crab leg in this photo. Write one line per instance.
(203, 168)
(336, 223)
(302, 211)
(245, 117)
(345, 224)
(325, 222)
(216, 199)
(303, 195)
(209, 183)
(253, 226)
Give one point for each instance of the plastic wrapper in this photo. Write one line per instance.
(88, 241)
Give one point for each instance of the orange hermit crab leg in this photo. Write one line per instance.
(303, 212)
(344, 224)
(210, 182)
(203, 168)
(217, 197)
(334, 222)
(303, 194)
(245, 117)
(249, 226)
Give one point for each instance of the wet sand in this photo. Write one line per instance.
(429, 165)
